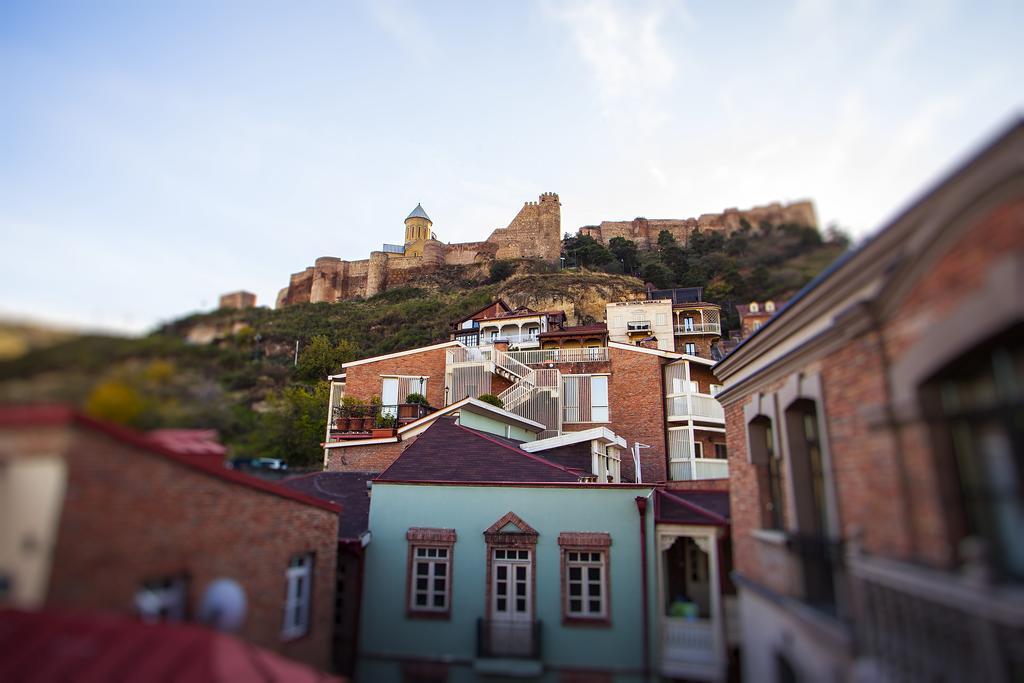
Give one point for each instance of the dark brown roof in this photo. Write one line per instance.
(497, 302)
(692, 507)
(347, 489)
(448, 452)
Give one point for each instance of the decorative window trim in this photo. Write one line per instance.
(423, 537)
(168, 593)
(591, 542)
(524, 539)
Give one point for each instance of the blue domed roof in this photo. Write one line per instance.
(418, 212)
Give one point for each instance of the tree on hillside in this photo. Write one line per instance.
(320, 358)
(115, 401)
(293, 426)
(658, 274)
(626, 252)
(584, 251)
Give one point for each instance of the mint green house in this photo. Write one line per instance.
(494, 557)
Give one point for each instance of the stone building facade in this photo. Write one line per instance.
(645, 231)
(535, 232)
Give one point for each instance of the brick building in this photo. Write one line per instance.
(239, 299)
(875, 449)
(661, 399)
(98, 518)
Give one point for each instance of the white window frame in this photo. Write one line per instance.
(698, 449)
(431, 556)
(298, 592)
(714, 389)
(690, 348)
(597, 411)
(595, 559)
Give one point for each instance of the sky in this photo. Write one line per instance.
(155, 155)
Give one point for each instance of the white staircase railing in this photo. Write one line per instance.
(511, 366)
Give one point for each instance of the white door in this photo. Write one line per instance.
(511, 603)
(389, 397)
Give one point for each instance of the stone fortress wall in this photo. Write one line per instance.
(645, 231)
(535, 232)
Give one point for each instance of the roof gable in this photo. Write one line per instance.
(448, 452)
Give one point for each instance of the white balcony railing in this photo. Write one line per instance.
(517, 339)
(699, 328)
(688, 648)
(638, 326)
(692, 469)
(698, 406)
(539, 357)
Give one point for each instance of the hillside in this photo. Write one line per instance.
(236, 370)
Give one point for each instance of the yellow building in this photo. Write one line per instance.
(417, 231)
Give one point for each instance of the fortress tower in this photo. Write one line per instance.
(417, 231)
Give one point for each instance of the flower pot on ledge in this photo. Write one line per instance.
(343, 424)
(383, 432)
(366, 424)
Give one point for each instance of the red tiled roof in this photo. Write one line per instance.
(448, 452)
(189, 441)
(56, 646)
(33, 416)
(692, 507)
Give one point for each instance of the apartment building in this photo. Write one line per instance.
(875, 449)
(662, 400)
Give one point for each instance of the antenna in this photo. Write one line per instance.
(636, 459)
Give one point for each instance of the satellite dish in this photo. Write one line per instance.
(223, 605)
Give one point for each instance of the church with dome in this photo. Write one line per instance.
(535, 232)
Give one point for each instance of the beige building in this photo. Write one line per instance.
(630, 322)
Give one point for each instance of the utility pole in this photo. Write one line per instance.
(636, 458)
(296, 361)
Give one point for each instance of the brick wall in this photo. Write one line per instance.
(130, 516)
(637, 409)
(364, 381)
(898, 514)
(366, 458)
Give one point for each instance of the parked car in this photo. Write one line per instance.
(258, 464)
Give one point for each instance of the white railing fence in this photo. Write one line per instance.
(691, 469)
(688, 642)
(541, 356)
(699, 328)
(694, 405)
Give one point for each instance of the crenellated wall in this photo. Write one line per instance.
(645, 231)
(535, 232)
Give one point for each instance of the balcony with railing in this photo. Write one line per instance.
(920, 624)
(698, 328)
(508, 648)
(637, 326)
(596, 354)
(694, 406)
(693, 469)
(360, 422)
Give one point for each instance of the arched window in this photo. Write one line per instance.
(806, 465)
(975, 407)
(769, 307)
(769, 473)
(754, 308)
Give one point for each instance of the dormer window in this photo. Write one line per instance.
(769, 307)
(754, 308)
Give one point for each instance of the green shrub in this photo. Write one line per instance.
(417, 398)
(492, 399)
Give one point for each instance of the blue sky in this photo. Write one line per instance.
(154, 155)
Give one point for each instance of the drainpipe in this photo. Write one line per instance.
(641, 506)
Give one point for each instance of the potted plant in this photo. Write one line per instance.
(351, 408)
(411, 407)
(341, 418)
(370, 412)
(492, 399)
(384, 425)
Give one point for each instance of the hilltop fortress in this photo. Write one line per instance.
(535, 232)
(645, 231)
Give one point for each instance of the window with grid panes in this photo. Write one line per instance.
(430, 579)
(585, 582)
